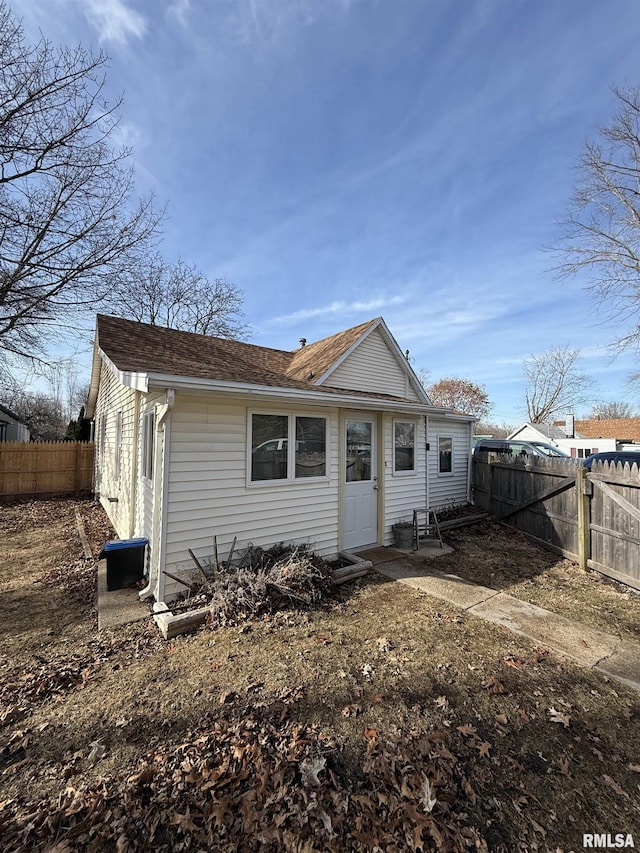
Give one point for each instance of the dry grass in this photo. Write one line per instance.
(540, 750)
(502, 558)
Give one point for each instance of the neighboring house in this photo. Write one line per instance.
(198, 436)
(567, 435)
(606, 434)
(537, 432)
(12, 428)
(624, 431)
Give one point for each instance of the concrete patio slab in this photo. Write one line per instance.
(119, 606)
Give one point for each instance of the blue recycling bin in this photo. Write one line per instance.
(125, 561)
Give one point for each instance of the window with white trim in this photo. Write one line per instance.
(102, 437)
(118, 446)
(404, 447)
(287, 447)
(445, 454)
(148, 425)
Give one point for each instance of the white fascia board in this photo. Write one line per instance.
(266, 392)
(469, 419)
(447, 415)
(402, 361)
(128, 378)
(92, 396)
(137, 381)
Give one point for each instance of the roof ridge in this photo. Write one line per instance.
(184, 332)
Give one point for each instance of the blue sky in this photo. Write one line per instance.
(343, 159)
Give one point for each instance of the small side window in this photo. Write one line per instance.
(148, 424)
(118, 446)
(445, 454)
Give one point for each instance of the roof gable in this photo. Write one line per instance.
(314, 361)
(374, 360)
(5, 410)
(544, 431)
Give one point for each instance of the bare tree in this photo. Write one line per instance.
(68, 219)
(66, 388)
(555, 384)
(424, 375)
(178, 296)
(41, 412)
(602, 234)
(462, 395)
(612, 410)
(494, 430)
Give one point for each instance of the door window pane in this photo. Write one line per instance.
(358, 456)
(311, 447)
(404, 435)
(269, 447)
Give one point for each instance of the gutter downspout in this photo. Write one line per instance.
(133, 491)
(163, 426)
(426, 462)
(470, 463)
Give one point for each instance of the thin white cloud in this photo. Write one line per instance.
(115, 21)
(179, 9)
(126, 134)
(340, 307)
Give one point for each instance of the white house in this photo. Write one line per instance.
(12, 428)
(564, 436)
(330, 444)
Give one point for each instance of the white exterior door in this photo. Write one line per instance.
(360, 498)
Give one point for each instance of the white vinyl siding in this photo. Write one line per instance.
(402, 493)
(209, 494)
(372, 367)
(448, 489)
(114, 481)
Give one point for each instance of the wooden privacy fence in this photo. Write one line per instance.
(589, 516)
(45, 468)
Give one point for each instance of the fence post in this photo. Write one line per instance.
(491, 458)
(583, 493)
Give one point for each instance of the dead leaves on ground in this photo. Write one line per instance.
(559, 717)
(21, 691)
(276, 785)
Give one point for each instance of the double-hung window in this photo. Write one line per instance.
(404, 447)
(287, 447)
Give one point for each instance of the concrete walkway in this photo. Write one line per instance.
(591, 647)
(119, 606)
